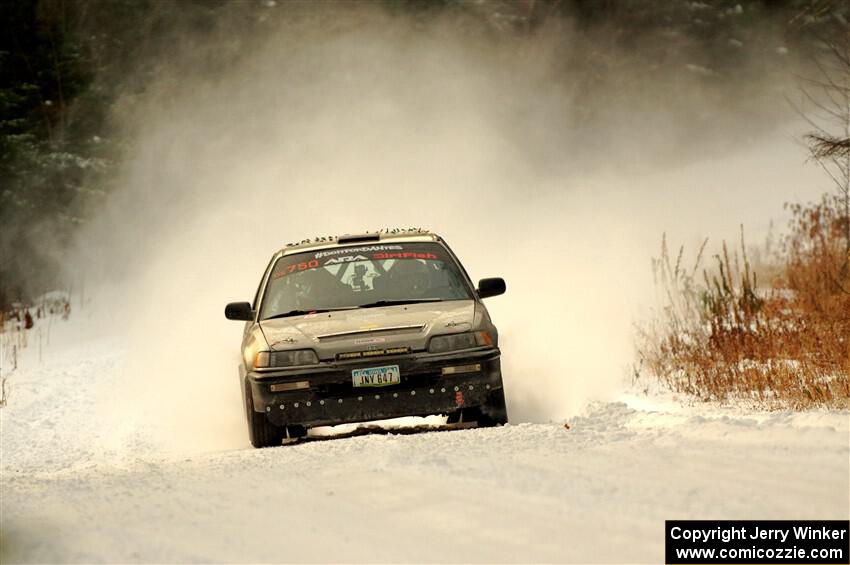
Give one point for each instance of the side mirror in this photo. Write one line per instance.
(239, 311)
(491, 287)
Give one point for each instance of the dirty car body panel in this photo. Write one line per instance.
(363, 328)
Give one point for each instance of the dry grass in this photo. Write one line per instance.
(721, 335)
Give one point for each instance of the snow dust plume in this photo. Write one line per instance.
(369, 121)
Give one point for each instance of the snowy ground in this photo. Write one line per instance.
(78, 487)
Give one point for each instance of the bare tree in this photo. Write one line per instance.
(826, 107)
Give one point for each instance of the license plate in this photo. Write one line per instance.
(376, 376)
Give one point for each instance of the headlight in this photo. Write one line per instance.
(268, 359)
(453, 342)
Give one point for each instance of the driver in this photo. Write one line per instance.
(317, 288)
(410, 278)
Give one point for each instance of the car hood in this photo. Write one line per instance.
(408, 325)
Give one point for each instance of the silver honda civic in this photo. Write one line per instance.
(367, 327)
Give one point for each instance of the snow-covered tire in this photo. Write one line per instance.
(261, 432)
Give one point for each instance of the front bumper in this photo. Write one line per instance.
(332, 399)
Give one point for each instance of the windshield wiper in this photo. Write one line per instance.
(304, 312)
(369, 305)
(398, 302)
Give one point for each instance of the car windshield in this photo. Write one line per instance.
(362, 276)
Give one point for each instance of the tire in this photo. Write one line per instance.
(261, 432)
(492, 413)
(453, 417)
(296, 431)
(495, 411)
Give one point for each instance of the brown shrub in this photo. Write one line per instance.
(786, 344)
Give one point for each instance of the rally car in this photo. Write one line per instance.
(367, 327)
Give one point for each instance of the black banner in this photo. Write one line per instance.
(371, 353)
(693, 542)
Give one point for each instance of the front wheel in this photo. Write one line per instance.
(261, 432)
(494, 412)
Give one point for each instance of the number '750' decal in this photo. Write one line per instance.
(303, 266)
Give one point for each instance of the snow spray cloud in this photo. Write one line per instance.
(343, 122)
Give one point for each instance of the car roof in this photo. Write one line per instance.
(396, 235)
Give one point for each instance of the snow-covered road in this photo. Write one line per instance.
(77, 488)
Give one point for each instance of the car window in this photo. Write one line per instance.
(354, 276)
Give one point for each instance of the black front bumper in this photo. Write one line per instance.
(332, 398)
